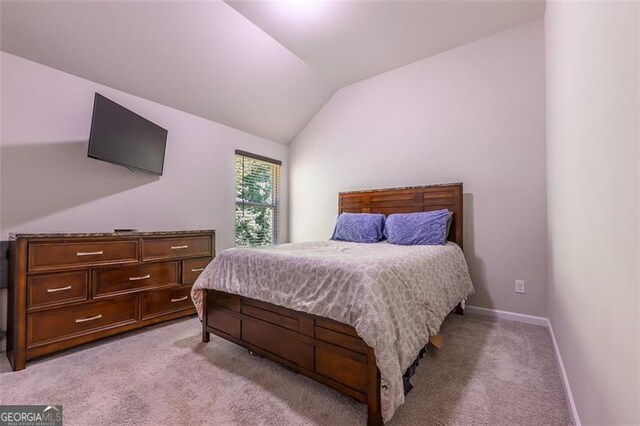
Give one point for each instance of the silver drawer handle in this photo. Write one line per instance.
(197, 270)
(89, 253)
(139, 278)
(179, 247)
(89, 319)
(179, 299)
(53, 290)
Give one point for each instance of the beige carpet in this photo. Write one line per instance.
(488, 373)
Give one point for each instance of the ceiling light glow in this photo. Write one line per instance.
(303, 11)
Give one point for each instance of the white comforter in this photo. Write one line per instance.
(394, 296)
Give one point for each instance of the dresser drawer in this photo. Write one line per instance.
(191, 269)
(112, 281)
(169, 248)
(48, 256)
(160, 302)
(77, 320)
(55, 289)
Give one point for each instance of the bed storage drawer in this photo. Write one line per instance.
(169, 248)
(223, 320)
(278, 315)
(279, 341)
(224, 300)
(328, 324)
(340, 339)
(160, 302)
(72, 321)
(192, 268)
(111, 281)
(47, 256)
(55, 289)
(344, 366)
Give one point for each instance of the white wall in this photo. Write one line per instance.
(3, 263)
(1, 127)
(473, 114)
(48, 184)
(593, 119)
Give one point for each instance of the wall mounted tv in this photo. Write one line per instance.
(122, 137)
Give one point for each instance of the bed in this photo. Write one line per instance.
(352, 316)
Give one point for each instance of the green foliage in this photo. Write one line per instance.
(256, 200)
(254, 226)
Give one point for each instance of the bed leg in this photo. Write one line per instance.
(374, 414)
(206, 336)
(459, 310)
(374, 409)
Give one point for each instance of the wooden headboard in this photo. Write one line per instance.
(408, 200)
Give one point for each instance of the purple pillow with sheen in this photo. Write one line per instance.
(414, 229)
(359, 227)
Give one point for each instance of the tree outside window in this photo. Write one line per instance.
(257, 200)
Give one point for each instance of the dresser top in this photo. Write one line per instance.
(111, 234)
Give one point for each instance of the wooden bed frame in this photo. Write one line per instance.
(320, 348)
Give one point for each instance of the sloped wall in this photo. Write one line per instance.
(48, 184)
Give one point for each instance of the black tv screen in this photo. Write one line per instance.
(121, 136)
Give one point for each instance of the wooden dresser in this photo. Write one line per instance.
(69, 289)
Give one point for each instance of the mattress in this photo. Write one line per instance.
(394, 296)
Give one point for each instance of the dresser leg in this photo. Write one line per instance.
(206, 336)
(17, 305)
(17, 360)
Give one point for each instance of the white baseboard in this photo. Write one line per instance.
(511, 316)
(565, 379)
(530, 319)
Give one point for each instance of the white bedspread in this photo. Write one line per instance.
(394, 296)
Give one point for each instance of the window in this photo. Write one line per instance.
(257, 199)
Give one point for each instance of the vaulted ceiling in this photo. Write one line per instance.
(200, 57)
(352, 40)
(262, 67)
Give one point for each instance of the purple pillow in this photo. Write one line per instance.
(359, 227)
(413, 229)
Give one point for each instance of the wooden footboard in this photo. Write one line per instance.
(322, 349)
(325, 350)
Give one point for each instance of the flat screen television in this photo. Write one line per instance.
(122, 137)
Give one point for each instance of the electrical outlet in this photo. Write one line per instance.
(521, 286)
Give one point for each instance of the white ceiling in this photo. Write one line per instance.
(353, 40)
(202, 58)
(267, 72)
